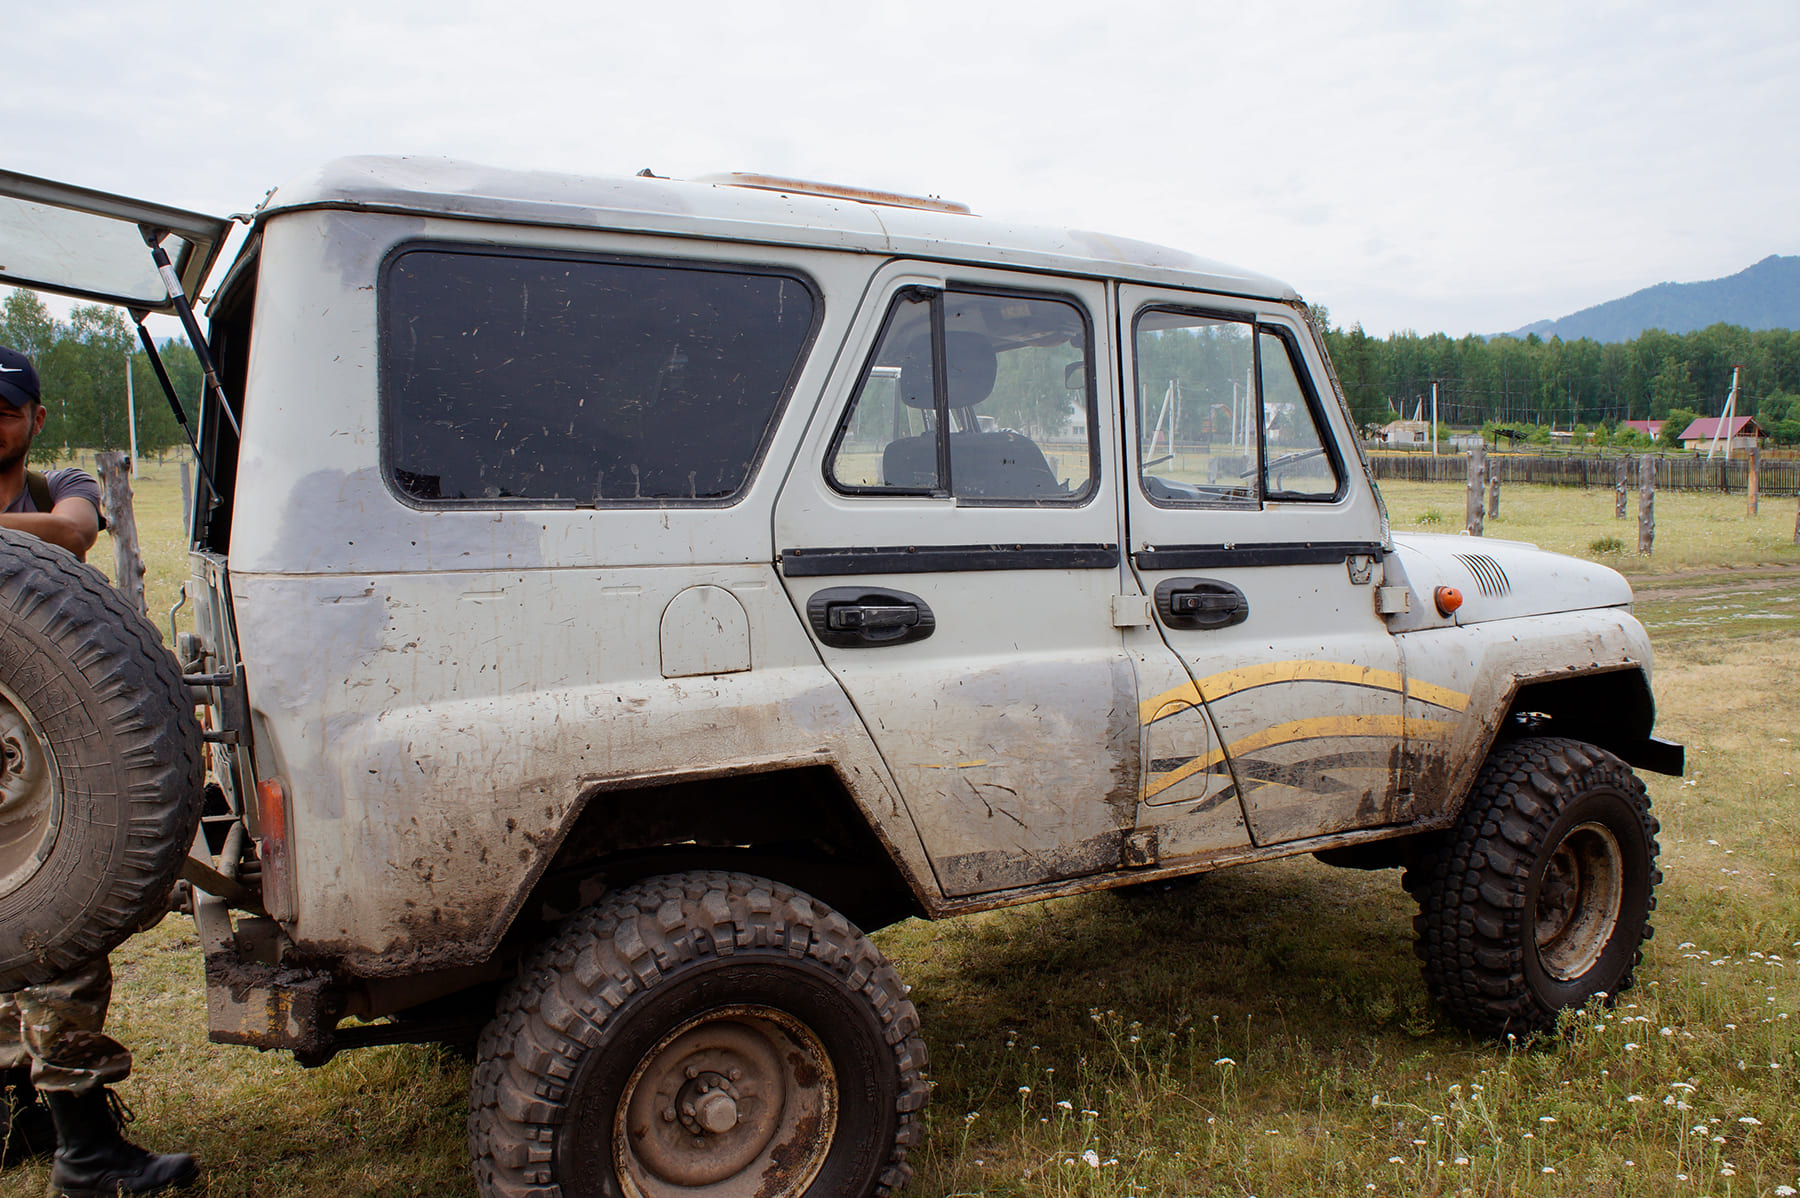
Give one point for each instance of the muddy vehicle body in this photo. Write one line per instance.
(612, 598)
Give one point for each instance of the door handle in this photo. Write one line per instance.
(862, 618)
(870, 617)
(1200, 603)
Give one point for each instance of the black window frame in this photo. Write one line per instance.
(383, 298)
(940, 387)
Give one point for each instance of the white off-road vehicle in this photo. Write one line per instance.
(615, 597)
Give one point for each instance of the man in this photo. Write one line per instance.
(55, 1062)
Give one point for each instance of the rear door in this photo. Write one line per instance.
(951, 540)
(91, 244)
(1259, 540)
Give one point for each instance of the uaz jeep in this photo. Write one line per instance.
(613, 597)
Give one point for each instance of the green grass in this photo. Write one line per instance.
(1261, 1030)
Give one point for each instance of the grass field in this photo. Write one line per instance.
(1261, 1030)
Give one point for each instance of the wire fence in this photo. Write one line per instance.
(1674, 472)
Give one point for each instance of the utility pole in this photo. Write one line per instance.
(1434, 417)
(1725, 419)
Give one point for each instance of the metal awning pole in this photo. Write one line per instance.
(177, 296)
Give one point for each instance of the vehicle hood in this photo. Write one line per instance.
(1499, 580)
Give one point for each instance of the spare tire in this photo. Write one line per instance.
(101, 768)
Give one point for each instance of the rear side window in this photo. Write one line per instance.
(509, 378)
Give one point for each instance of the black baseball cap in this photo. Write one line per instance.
(18, 381)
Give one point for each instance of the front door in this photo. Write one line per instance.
(1259, 540)
(950, 538)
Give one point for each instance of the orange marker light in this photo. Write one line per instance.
(1448, 599)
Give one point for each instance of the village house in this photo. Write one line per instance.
(1741, 435)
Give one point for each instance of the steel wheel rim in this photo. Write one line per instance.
(741, 1100)
(30, 794)
(1580, 896)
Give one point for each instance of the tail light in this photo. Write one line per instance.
(274, 850)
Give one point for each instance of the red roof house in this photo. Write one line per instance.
(1740, 434)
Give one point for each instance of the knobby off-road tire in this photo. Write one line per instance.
(707, 1034)
(100, 766)
(1541, 896)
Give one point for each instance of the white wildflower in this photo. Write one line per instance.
(1091, 1159)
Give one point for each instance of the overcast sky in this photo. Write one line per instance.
(1434, 166)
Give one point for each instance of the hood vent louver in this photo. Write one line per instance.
(1490, 579)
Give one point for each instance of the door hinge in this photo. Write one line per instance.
(1393, 601)
(1361, 567)
(1131, 611)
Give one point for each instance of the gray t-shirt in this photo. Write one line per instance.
(65, 483)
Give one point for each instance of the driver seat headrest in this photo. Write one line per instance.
(972, 365)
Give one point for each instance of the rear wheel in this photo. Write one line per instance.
(701, 1034)
(1541, 896)
(100, 766)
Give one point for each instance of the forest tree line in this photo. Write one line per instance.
(1487, 381)
(81, 364)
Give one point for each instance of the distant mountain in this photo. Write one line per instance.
(1765, 296)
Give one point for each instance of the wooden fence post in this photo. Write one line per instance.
(1646, 505)
(1754, 483)
(1477, 491)
(1619, 482)
(114, 466)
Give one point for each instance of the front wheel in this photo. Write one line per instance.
(1541, 895)
(703, 1034)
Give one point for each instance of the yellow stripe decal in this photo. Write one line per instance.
(1314, 729)
(1322, 727)
(1437, 696)
(1230, 682)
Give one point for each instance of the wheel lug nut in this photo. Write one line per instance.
(737, 1074)
(687, 1108)
(669, 1115)
(693, 1072)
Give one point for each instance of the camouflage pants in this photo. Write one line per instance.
(55, 1028)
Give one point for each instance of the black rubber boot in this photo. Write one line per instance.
(93, 1160)
(26, 1130)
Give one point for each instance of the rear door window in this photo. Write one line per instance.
(519, 379)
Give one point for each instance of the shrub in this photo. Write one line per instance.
(1606, 545)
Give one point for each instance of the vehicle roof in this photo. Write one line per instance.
(446, 188)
